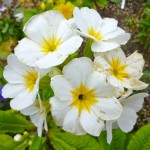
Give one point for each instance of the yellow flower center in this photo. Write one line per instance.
(30, 80)
(118, 69)
(97, 35)
(51, 45)
(83, 98)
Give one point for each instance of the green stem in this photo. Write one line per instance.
(87, 49)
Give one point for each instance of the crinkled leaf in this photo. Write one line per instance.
(13, 123)
(141, 139)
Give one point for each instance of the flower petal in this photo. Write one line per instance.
(51, 60)
(135, 64)
(82, 19)
(59, 110)
(28, 51)
(16, 65)
(134, 84)
(97, 82)
(77, 71)
(12, 76)
(70, 46)
(135, 101)
(108, 108)
(72, 123)
(109, 131)
(61, 88)
(108, 25)
(43, 25)
(11, 90)
(121, 39)
(113, 34)
(29, 110)
(104, 46)
(24, 98)
(127, 119)
(91, 123)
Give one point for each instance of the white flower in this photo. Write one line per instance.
(121, 71)
(127, 120)
(82, 99)
(19, 16)
(104, 32)
(50, 39)
(23, 83)
(37, 113)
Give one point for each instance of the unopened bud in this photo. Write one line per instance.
(18, 137)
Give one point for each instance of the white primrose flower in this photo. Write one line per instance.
(82, 99)
(50, 39)
(23, 83)
(128, 118)
(104, 32)
(37, 113)
(121, 71)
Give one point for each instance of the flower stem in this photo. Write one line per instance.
(87, 49)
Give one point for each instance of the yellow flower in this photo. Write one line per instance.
(43, 6)
(66, 9)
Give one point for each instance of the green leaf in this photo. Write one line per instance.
(1, 72)
(141, 139)
(7, 143)
(38, 144)
(146, 74)
(119, 140)
(13, 123)
(67, 141)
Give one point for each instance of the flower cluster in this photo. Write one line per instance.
(89, 96)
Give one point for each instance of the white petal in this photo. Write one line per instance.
(127, 119)
(51, 60)
(12, 90)
(61, 88)
(16, 65)
(135, 64)
(135, 101)
(100, 64)
(30, 110)
(121, 39)
(97, 82)
(109, 131)
(72, 123)
(12, 76)
(70, 46)
(134, 84)
(77, 70)
(91, 123)
(108, 108)
(82, 19)
(59, 110)
(113, 34)
(29, 52)
(103, 46)
(43, 25)
(24, 99)
(114, 81)
(117, 53)
(108, 25)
